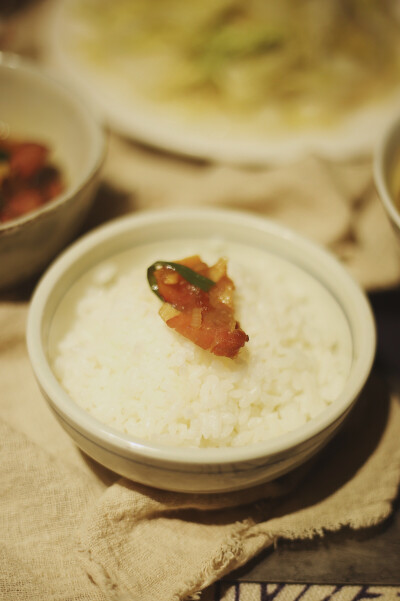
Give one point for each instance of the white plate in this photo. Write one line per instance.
(215, 136)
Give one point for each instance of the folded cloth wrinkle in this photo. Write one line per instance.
(329, 202)
(41, 504)
(194, 547)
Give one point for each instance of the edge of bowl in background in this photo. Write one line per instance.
(186, 469)
(140, 118)
(28, 243)
(386, 158)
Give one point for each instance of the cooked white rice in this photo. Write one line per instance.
(121, 363)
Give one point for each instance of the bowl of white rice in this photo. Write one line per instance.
(148, 403)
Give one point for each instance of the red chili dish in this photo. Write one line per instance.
(198, 303)
(28, 180)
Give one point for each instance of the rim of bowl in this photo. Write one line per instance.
(9, 60)
(382, 157)
(126, 444)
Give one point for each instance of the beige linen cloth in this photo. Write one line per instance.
(72, 530)
(334, 204)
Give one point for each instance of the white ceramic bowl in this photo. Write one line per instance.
(188, 469)
(35, 107)
(387, 173)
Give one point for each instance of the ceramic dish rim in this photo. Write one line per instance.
(381, 168)
(12, 61)
(133, 120)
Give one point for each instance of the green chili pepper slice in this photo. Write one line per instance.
(194, 278)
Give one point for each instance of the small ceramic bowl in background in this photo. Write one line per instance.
(181, 468)
(387, 173)
(35, 107)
